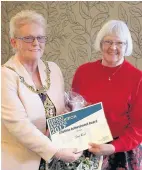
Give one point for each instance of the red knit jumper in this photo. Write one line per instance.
(121, 97)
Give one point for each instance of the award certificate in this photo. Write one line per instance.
(77, 128)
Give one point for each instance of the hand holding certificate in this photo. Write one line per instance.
(78, 128)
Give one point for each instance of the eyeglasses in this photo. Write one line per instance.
(31, 39)
(110, 43)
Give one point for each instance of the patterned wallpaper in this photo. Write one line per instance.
(72, 29)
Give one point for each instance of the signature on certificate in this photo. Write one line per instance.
(79, 135)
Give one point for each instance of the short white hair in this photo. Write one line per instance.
(25, 17)
(117, 28)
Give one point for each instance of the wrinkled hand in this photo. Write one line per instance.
(68, 155)
(102, 149)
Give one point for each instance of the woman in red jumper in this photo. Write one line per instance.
(118, 85)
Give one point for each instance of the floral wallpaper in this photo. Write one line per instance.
(72, 29)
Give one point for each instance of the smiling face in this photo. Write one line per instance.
(29, 51)
(113, 50)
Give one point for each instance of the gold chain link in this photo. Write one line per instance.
(43, 89)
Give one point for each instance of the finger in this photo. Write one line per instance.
(74, 150)
(77, 155)
(79, 152)
(65, 111)
(94, 150)
(89, 146)
(47, 132)
(94, 145)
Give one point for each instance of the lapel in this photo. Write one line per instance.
(20, 69)
(43, 76)
(42, 72)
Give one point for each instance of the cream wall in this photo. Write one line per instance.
(72, 28)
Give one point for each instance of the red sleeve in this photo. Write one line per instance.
(76, 81)
(132, 136)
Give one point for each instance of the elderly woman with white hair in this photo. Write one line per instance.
(118, 85)
(32, 91)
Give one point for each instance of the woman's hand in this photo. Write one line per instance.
(102, 149)
(47, 133)
(66, 110)
(68, 155)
